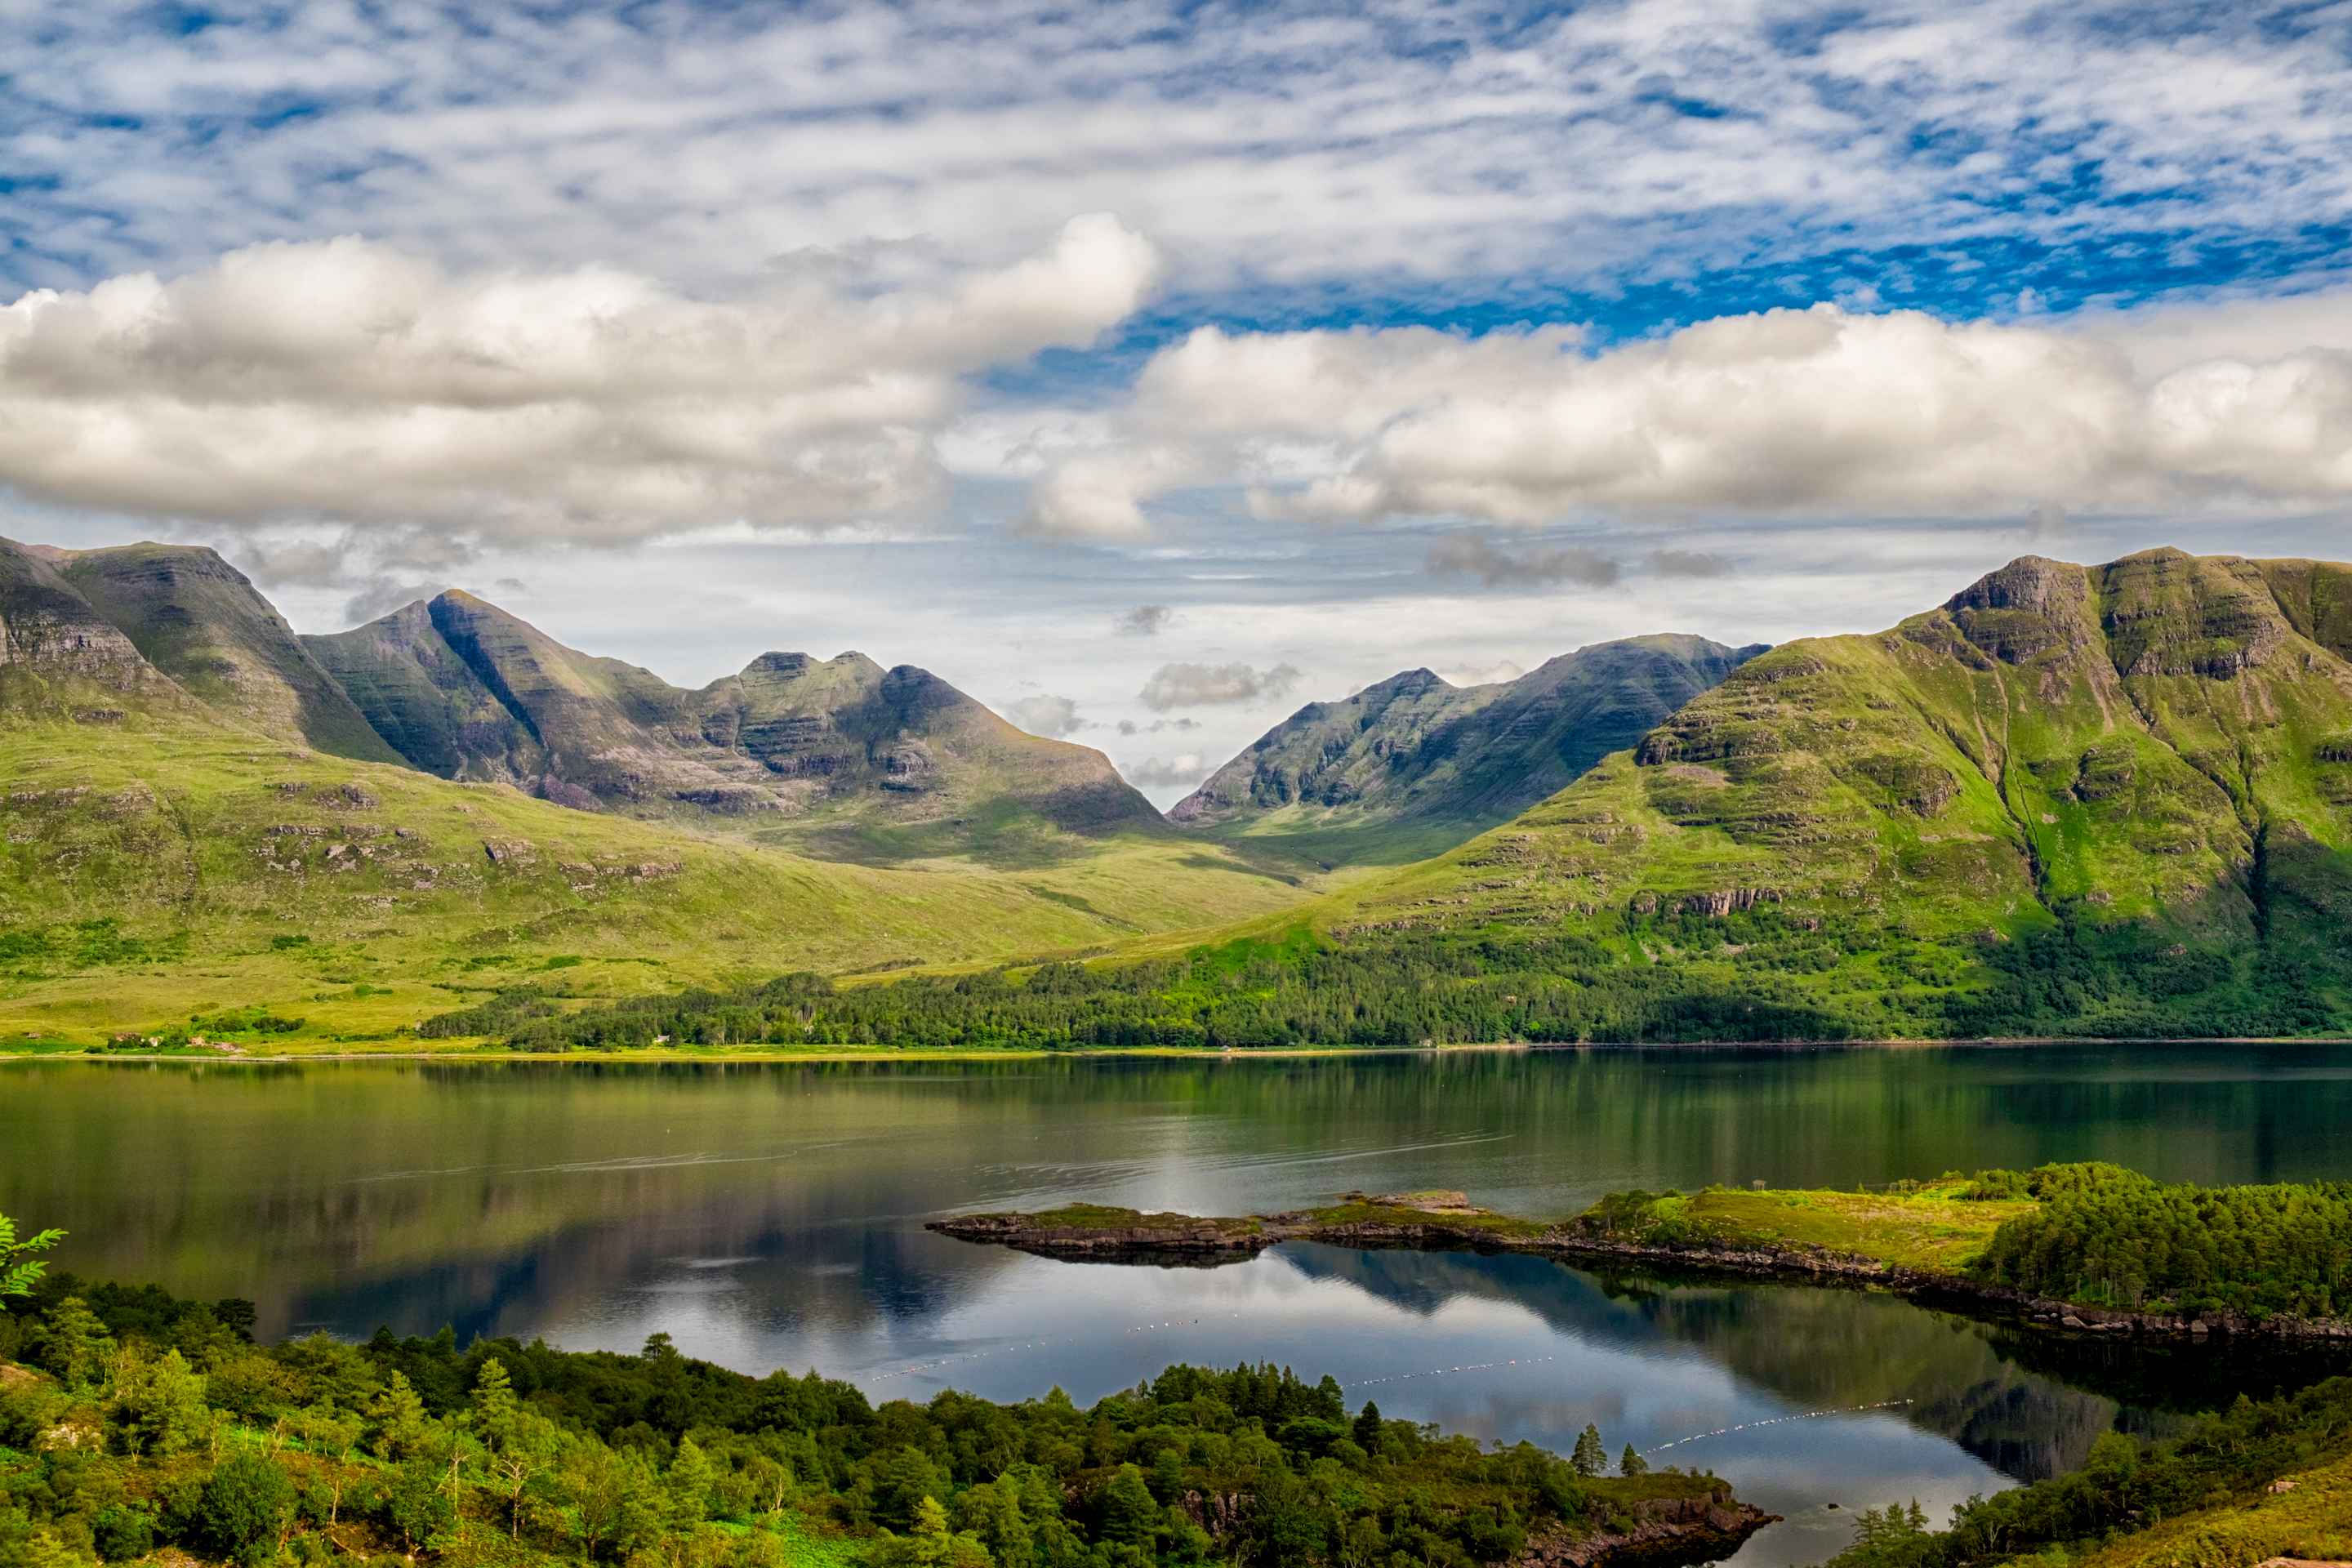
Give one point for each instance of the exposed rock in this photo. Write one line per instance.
(1662, 1530)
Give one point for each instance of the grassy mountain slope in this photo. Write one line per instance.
(1413, 765)
(155, 868)
(2110, 796)
(839, 756)
(201, 622)
(165, 858)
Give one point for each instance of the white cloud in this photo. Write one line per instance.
(350, 380)
(1174, 685)
(1043, 713)
(1484, 675)
(1178, 772)
(1813, 412)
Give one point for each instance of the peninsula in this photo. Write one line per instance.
(2081, 1248)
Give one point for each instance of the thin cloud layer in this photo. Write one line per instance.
(1389, 139)
(1498, 566)
(349, 380)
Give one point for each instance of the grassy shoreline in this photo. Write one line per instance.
(464, 1050)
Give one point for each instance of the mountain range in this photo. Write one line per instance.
(1417, 762)
(896, 758)
(203, 814)
(2102, 799)
(2106, 798)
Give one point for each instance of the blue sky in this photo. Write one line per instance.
(1293, 320)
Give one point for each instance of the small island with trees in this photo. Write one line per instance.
(2087, 1247)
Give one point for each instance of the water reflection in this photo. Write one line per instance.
(771, 1216)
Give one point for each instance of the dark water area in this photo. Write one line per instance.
(772, 1216)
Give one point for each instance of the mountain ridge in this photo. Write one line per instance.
(463, 688)
(1426, 760)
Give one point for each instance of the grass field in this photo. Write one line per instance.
(157, 873)
(1929, 1229)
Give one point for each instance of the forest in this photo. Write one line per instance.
(2121, 1240)
(1392, 989)
(150, 1421)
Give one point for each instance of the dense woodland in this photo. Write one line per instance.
(156, 1421)
(2121, 1240)
(1408, 989)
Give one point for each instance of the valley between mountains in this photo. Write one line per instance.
(2111, 800)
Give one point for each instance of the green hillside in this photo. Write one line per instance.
(2112, 801)
(157, 869)
(2094, 799)
(187, 852)
(1413, 765)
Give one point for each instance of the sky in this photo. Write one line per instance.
(1147, 370)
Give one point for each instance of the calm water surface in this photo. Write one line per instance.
(772, 1216)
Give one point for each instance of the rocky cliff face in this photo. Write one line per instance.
(465, 691)
(1413, 749)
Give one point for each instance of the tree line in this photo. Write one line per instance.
(1753, 975)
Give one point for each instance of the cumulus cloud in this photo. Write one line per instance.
(1689, 563)
(1175, 686)
(1043, 713)
(1783, 412)
(1476, 555)
(1143, 621)
(350, 380)
(1180, 772)
(1129, 727)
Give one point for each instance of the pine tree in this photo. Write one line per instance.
(1630, 1463)
(399, 1420)
(1591, 1457)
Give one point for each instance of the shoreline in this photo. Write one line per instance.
(814, 1054)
